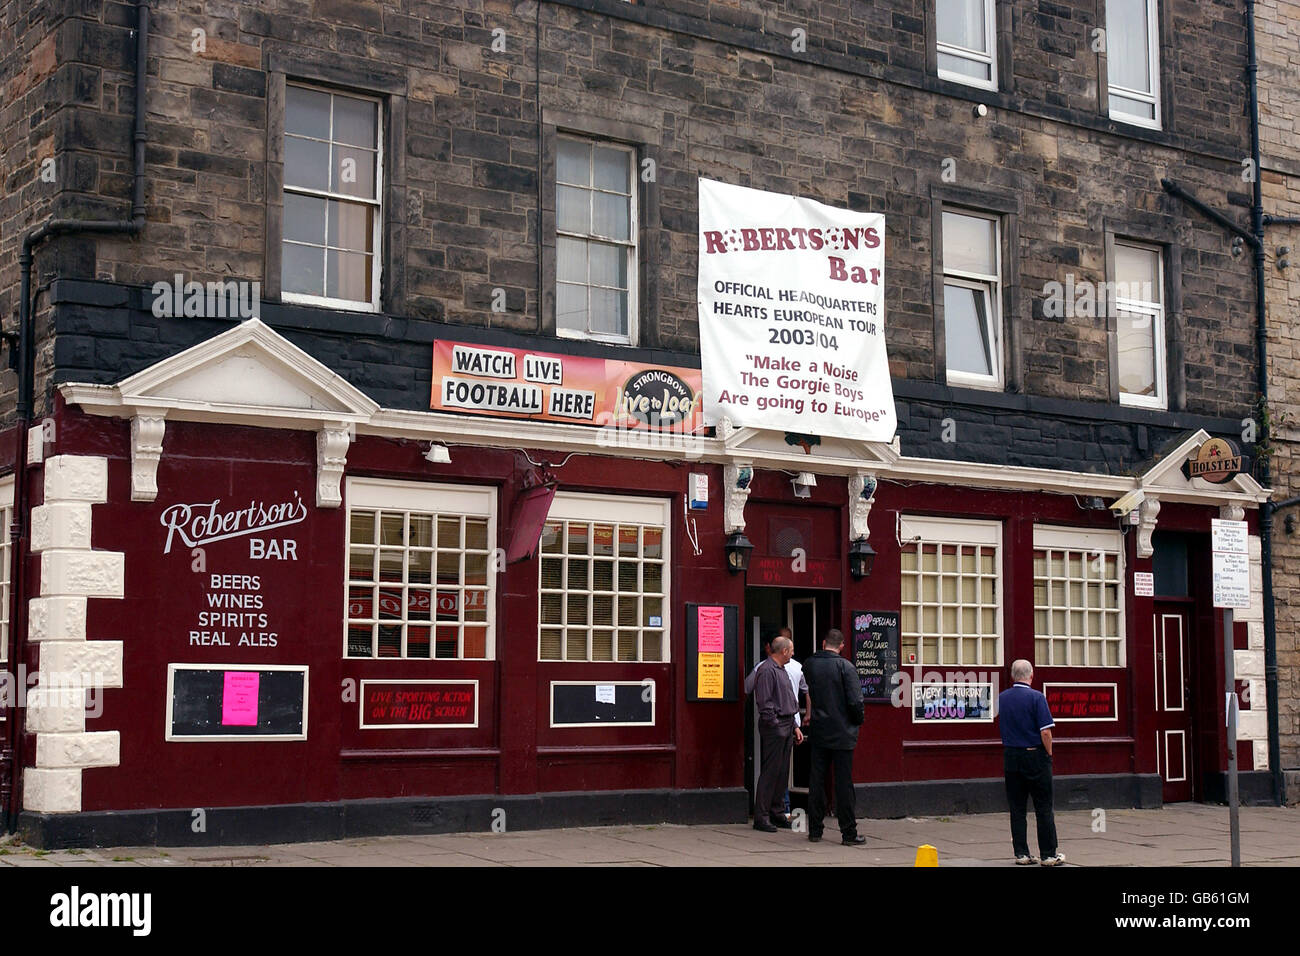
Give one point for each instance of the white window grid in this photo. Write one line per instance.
(420, 582)
(990, 286)
(629, 245)
(1078, 602)
(1154, 310)
(375, 202)
(1151, 96)
(597, 602)
(951, 594)
(987, 58)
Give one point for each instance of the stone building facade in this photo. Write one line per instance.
(854, 105)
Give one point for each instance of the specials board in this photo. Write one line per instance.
(522, 383)
(236, 702)
(947, 703)
(875, 652)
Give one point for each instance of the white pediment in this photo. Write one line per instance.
(768, 448)
(1166, 478)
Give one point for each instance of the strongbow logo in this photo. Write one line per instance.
(1216, 461)
(197, 524)
(656, 397)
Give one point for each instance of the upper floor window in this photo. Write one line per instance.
(967, 42)
(951, 591)
(1140, 325)
(421, 570)
(333, 167)
(1133, 61)
(972, 299)
(595, 248)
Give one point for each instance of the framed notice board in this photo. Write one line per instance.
(712, 652)
(875, 652)
(230, 702)
(592, 703)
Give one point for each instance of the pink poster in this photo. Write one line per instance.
(709, 629)
(239, 699)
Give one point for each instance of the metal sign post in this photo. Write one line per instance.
(1231, 589)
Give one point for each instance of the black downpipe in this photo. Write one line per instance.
(26, 399)
(1261, 338)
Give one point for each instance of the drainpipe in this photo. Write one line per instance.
(25, 354)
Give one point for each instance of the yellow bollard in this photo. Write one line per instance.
(927, 855)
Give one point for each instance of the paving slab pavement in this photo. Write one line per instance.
(1178, 835)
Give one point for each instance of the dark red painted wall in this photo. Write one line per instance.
(692, 745)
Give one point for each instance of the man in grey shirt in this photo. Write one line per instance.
(777, 707)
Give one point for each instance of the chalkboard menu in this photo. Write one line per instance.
(875, 652)
(594, 703)
(211, 702)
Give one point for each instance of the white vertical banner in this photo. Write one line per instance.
(792, 315)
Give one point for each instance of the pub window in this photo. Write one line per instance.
(1140, 325)
(972, 299)
(1133, 62)
(421, 571)
(595, 245)
(1078, 598)
(966, 41)
(333, 168)
(6, 516)
(604, 580)
(951, 591)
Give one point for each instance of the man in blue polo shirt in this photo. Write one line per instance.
(1026, 724)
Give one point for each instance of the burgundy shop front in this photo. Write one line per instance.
(297, 625)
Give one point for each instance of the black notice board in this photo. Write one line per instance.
(730, 650)
(875, 652)
(197, 704)
(577, 704)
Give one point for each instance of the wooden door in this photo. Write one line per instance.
(1173, 704)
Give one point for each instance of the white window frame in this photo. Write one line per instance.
(471, 501)
(614, 509)
(1153, 66)
(1089, 541)
(924, 529)
(6, 563)
(988, 58)
(991, 286)
(631, 247)
(376, 260)
(1156, 311)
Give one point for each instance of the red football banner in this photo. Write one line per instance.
(521, 383)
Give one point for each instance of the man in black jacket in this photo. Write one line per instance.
(837, 713)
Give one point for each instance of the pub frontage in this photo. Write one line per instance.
(300, 614)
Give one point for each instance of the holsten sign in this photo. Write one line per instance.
(1217, 461)
(518, 383)
(792, 309)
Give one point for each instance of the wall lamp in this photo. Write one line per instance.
(861, 557)
(739, 549)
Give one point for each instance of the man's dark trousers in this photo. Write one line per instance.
(842, 761)
(1029, 774)
(774, 771)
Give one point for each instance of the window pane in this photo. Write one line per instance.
(306, 163)
(610, 216)
(304, 218)
(353, 172)
(573, 209)
(611, 169)
(1127, 44)
(307, 112)
(1137, 273)
(608, 265)
(570, 260)
(1137, 371)
(347, 275)
(571, 306)
(355, 121)
(351, 225)
(961, 23)
(609, 311)
(302, 269)
(1122, 104)
(966, 330)
(969, 244)
(573, 162)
